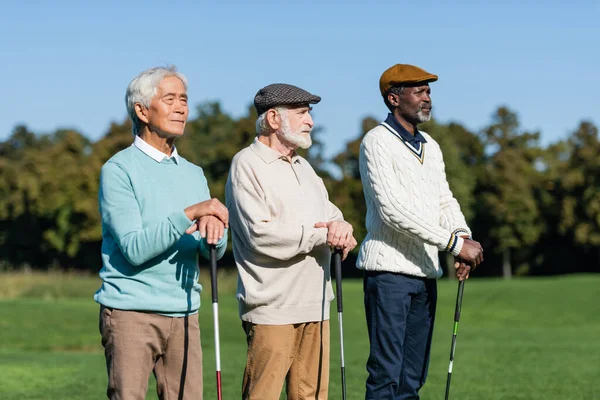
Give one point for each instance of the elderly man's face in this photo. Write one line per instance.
(414, 104)
(168, 111)
(296, 125)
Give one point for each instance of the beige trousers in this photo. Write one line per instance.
(136, 343)
(297, 354)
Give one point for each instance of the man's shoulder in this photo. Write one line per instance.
(244, 156)
(242, 165)
(123, 157)
(427, 137)
(377, 134)
(430, 140)
(378, 130)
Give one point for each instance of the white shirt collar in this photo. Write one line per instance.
(155, 154)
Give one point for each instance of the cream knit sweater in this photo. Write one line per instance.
(411, 212)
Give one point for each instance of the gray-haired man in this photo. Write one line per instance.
(283, 225)
(153, 203)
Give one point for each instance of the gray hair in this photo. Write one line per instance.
(143, 88)
(397, 90)
(262, 125)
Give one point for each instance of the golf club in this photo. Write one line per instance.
(337, 259)
(459, 297)
(215, 302)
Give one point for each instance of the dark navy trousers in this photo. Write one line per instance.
(400, 312)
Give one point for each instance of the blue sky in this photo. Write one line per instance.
(67, 63)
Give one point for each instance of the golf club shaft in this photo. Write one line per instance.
(215, 302)
(459, 297)
(338, 284)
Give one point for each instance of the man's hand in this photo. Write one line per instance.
(210, 227)
(462, 269)
(351, 244)
(209, 207)
(339, 235)
(471, 253)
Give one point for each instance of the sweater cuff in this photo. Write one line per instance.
(455, 244)
(180, 221)
(317, 237)
(462, 232)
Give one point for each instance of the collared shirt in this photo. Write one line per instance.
(415, 144)
(393, 123)
(154, 153)
(268, 154)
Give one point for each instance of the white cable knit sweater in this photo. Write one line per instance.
(411, 212)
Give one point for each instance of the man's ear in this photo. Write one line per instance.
(273, 119)
(393, 99)
(141, 112)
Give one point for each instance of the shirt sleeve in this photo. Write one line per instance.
(384, 189)
(333, 212)
(253, 223)
(121, 215)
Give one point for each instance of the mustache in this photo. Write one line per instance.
(426, 107)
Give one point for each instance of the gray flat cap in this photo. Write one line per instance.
(282, 94)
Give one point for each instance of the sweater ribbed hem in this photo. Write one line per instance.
(269, 315)
(313, 237)
(414, 271)
(144, 307)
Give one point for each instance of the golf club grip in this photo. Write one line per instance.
(459, 297)
(337, 261)
(213, 273)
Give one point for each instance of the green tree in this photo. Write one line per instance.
(580, 217)
(347, 192)
(507, 208)
(211, 140)
(462, 152)
(45, 194)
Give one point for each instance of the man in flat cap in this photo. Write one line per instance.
(283, 228)
(411, 215)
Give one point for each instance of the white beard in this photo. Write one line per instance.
(294, 138)
(423, 117)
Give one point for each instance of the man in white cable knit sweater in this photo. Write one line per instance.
(411, 215)
(283, 226)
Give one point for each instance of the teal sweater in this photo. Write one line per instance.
(149, 262)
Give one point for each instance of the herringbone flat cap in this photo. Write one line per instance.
(282, 94)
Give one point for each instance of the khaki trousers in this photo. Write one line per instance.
(136, 343)
(297, 354)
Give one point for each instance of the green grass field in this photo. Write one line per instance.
(535, 338)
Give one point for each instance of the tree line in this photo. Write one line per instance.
(535, 209)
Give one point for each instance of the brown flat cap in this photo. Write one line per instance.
(282, 94)
(404, 73)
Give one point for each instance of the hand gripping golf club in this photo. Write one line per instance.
(459, 297)
(215, 302)
(337, 260)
